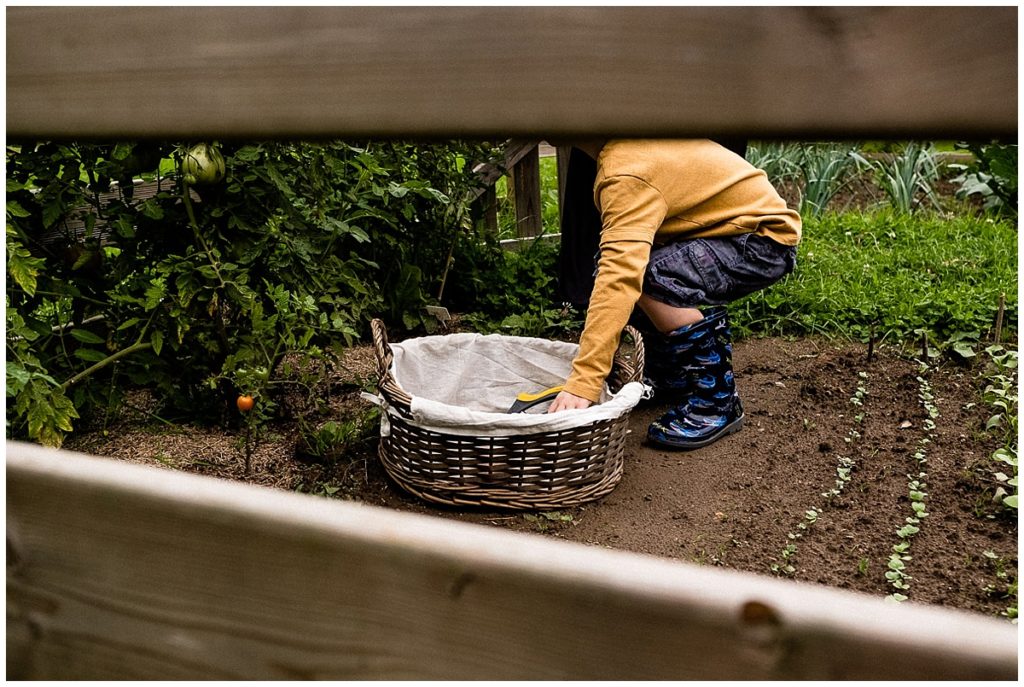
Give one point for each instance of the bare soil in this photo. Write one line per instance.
(737, 503)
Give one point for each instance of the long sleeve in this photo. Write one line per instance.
(631, 212)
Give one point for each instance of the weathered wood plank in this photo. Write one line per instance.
(118, 571)
(525, 178)
(515, 150)
(497, 71)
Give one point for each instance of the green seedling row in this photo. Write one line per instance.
(844, 469)
(896, 574)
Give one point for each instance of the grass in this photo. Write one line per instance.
(896, 274)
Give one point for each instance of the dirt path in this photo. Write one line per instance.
(820, 419)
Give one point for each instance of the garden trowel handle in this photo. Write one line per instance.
(525, 401)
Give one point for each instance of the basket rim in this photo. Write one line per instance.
(623, 370)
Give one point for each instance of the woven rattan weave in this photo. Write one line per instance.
(539, 471)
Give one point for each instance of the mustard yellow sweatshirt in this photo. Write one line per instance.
(655, 192)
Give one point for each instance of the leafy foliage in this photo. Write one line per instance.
(511, 291)
(1000, 394)
(992, 176)
(201, 291)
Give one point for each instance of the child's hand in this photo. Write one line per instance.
(566, 401)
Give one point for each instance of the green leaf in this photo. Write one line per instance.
(155, 293)
(157, 338)
(15, 210)
(279, 181)
(85, 336)
(964, 349)
(83, 260)
(1010, 501)
(151, 209)
(121, 151)
(130, 322)
(208, 271)
(994, 421)
(124, 227)
(52, 212)
(23, 268)
(17, 378)
(90, 355)
(248, 154)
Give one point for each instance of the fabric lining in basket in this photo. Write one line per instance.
(479, 455)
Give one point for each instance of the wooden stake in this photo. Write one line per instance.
(924, 346)
(525, 182)
(248, 447)
(999, 317)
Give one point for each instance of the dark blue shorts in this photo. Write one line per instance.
(715, 271)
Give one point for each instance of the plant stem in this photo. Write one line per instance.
(999, 317)
(187, 200)
(447, 266)
(103, 363)
(248, 448)
(64, 295)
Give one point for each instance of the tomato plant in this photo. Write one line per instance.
(123, 274)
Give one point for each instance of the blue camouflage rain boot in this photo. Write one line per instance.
(669, 366)
(711, 409)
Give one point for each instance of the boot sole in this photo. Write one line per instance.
(731, 428)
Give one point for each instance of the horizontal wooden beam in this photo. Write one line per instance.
(119, 571)
(786, 72)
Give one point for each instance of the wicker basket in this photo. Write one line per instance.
(539, 471)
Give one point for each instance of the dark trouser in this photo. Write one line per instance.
(715, 271)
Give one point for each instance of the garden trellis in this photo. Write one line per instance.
(115, 571)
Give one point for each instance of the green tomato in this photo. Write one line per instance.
(203, 165)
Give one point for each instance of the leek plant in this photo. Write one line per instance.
(774, 159)
(907, 178)
(825, 169)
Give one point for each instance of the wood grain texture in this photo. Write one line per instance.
(921, 72)
(525, 177)
(118, 571)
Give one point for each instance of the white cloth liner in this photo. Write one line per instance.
(464, 384)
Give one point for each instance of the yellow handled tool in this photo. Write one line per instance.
(525, 400)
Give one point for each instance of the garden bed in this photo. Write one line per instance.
(817, 487)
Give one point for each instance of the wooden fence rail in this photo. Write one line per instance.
(798, 72)
(119, 571)
(122, 571)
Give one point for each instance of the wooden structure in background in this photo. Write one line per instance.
(121, 571)
(522, 166)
